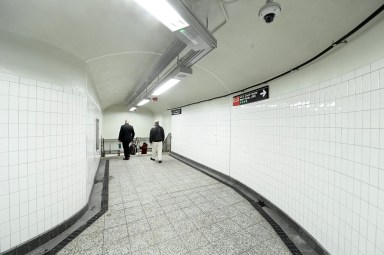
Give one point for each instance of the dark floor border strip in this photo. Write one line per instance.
(47, 236)
(53, 233)
(251, 196)
(104, 208)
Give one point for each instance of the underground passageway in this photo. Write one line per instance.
(274, 112)
(171, 208)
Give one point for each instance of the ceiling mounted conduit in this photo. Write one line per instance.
(195, 36)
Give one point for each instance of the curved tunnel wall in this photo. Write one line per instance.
(315, 148)
(48, 156)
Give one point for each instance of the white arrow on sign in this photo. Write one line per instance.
(263, 93)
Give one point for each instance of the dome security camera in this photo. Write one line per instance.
(269, 11)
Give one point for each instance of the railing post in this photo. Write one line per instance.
(102, 148)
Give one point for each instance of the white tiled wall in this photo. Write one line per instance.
(202, 133)
(43, 156)
(93, 155)
(317, 153)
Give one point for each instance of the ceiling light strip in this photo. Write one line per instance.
(164, 12)
(166, 86)
(143, 102)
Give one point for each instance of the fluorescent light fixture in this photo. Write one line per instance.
(167, 85)
(143, 102)
(132, 109)
(164, 12)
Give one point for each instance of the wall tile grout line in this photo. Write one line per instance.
(9, 174)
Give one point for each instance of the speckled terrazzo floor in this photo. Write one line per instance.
(171, 208)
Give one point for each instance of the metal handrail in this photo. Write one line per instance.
(137, 141)
(110, 150)
(167, 143)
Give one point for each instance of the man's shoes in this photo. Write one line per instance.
(126, 158)
(160, 161)
(152, 159)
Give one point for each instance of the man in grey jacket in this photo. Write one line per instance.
(156, 138)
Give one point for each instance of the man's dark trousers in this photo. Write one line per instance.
(126, 149)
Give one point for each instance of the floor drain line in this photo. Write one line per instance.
(279, 231)
(261, 204)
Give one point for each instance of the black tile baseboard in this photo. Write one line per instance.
(258, 202)
(104, 208)
(47, 236)
(53, 233)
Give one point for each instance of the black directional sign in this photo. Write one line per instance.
(251, 96)
(176, 111)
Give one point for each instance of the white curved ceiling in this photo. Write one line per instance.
(120, 42)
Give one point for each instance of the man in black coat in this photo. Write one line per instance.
(156, 138)
(126, 136)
